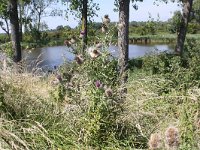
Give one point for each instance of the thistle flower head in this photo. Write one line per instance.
(106, 19)
(98, 45)
(73, 40)
(106, 16)
(59, 78)
(108, 92)
(79, 59)
(172, 137)
(155, 141)
(67, 43)
(82, 34)
(93, 52)
(98, 84)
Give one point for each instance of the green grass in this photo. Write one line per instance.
(40, 123)
(164, 37)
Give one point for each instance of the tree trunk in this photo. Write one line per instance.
(183, 27)
(84, 22)
(14, 24)
(39, 21)
(20, 21)
(123, 41)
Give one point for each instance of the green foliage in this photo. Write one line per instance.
(80, 114)
(193, 28)
(35, 35)
(145, 28)
(163, 90)
(92, 83)
(32, 122)
(7, 49)
(196, 10)
(183, 72)
(188, 126)
(156, 111)
(175, 22)
(59, 93)
(101, 111)
(4, 38)
(75, 8)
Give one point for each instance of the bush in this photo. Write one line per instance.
(7, 49)
(4, 38)
(183, 72)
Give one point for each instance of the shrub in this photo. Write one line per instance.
(7, 49)
(182, 71)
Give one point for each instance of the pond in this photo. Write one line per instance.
(51, 57)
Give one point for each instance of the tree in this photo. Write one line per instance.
(24, 15)
(84, 22)
(38, 10)
(84, 9)
(123, 35)
(186, 12)
(14, 24)
(4, 23)
(187, 7)
(196, 10)
(175, 22)
(60, 27)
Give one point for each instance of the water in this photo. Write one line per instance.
(47, 58)
(141, 50)
(51, 57)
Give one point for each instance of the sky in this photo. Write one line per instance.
(145, 9)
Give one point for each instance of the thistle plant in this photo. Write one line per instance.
(94, 86)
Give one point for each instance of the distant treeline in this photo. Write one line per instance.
(136, 30)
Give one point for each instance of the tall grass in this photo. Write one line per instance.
(80, 107)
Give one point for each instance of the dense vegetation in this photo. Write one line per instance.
(98, 101)
(157, 31)
(80, 107)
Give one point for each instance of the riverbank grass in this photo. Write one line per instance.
(81, 108)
